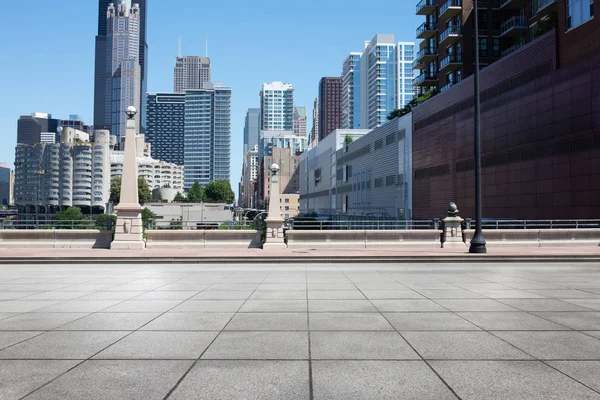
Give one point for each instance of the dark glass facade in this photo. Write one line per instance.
(30, 128)
(165, 126)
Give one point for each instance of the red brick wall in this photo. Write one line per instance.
(541, 140)
(580, 42)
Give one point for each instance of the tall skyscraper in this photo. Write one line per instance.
(100, 72)
(207, 134)
(351, 92)
(165, 126)
(313, 139)
(191, 72)
(31, 127)
(5, 184)
(330, 110)
(405, 56)
(277, 106)
(300, 121)
(251, 129)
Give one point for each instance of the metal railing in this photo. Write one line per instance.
(452, 30)
(350, 225)
(541, 224)
(427, 51)
(425, 75)
(177, 224)
(426, 26)
(425, 3)
(54, 224)
(448, 4)
(513, 23)
(451, 58)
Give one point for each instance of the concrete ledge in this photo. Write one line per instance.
(325, 239)
(202, 239)
(507, 237)
(55, 239)
(402, 238)
(569, 237)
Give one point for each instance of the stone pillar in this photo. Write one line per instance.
(274, 237)
(129, 229)
(452, 234)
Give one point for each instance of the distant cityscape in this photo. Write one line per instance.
(391, 135)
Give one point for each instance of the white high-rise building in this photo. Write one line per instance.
(405, 56)
(277, 107)
(191, 72)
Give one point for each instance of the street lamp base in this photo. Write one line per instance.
(478, 244)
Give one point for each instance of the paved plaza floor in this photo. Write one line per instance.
(300, 331)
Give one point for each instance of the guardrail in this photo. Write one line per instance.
(177, 224)
(54, 224)
(542, 224)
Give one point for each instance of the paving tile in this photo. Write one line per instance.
(360, 345)
(474, 305)
(348, 322)
(543, 305)
(575, 320)
(269, 322)
(554, 345)
(223, 295)
(511, 321)
(115, 379)
(436, 321)
(496, 380)
(429, 285)
(191, 287)
(189, 321)
(407, 305)
(167, 295)
(143, 306)
(449, 294)
(72, 306)
(357, 380)
(281, 286)
(111, 296)
(332, 286)
(279, 295)
(11, 338)
(217, 306)
(341, 305)
(274, 306)
(109, 322)
(20, 377)
(38, 321)
(62, 345)
(335, 295)
(17, 295)
(593, 304)
(586, 372)
(259, 345)
(565, 294)
(153, 345)
(462, 346)
(392, 294)
(234, 286)
(481, 286)
(19, 306)
(5, 315)
(224, 380)
(593, 333)
(507, 294)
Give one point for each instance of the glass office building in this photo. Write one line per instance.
(207, 134)
(277, 106)
(165, 126)
(351, 92)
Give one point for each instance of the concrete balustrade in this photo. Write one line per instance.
(569, 237)
(360, 239)
(202, 239)
(403, 239)
(507, 237)
(55, 239)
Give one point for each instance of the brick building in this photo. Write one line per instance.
(330, 105)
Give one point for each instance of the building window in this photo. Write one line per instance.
(578, 12)
(482, 19)
(483, 47)
(496, 47)
(378, 183)
(390, 180)
(287, 200)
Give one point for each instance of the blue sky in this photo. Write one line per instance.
(47, 51)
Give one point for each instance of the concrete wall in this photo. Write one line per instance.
(538, 237)
(55, 239)
(209, 212)
(203, 239)
(377, 239)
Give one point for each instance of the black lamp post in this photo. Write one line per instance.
(478, 242)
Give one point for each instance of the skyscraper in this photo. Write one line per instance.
(313, 139)
(405, 56)
(165, 126)
(5, 184)
(277, 106)
(100, 72)
(330, 110)
(300, 121)
(191, 72)
(207, 134)
(350, 102)
(31, 127)
(251, 129)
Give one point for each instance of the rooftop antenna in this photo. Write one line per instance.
(179, 49)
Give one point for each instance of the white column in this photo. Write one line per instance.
(274, 237)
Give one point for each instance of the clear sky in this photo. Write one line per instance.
(47, 51)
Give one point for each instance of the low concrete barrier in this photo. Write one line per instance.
(360, 239)
(569, 237)
(402, 238)
(55, 239)
(507, 237)
(202, 239)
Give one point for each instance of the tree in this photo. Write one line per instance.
(70, 214)
(196, 193)
(349, 140)
(144, 192)
(147, 215)
(219, 192)
(179, 198)
(415, 102)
